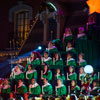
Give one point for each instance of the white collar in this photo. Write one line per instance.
(94, 88)
(32, 71)
(80, 35)
(69, 48)
(18, 73)
(80, 61)
(49, 58)
(60, 86)
(52, 48)
(70, 59)
(46, 84)
(34, 85)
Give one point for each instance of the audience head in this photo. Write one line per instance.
(91, 97)
(73, 97)
(82, 97)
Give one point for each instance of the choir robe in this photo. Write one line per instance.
(32, 74)
(68, 39)
(95, 91)
(71, 50)
(61, 90)
(48, 61)
(6, 90)
(71, 62)
(81, 76)
(58, 76)
(21, 90)
(53, 51)
(81, 36)
(82, 63)
(35, 89)
(75, 90)
(47, 89)
(35, 63)
(19, 76)
(72, 76)
(48, 75)
(59, 62)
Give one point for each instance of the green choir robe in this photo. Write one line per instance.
(47, 89)
(35, 63)
(32, 74)
(19, 76)
(53, 51)
(76, 90)
(35, 89)
(58, 76)
(21, 90)
(70, 50)
(59, 62)
(95, 91)
(68, 38)
(48, 61)
(81, 76)
(72, 76)
(61, 90)
(71, 62)
(6, 90)
(48, 76)
(82, 63)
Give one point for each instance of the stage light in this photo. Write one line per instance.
(88, 69)
(39, 47)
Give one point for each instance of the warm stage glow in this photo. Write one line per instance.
(94, 6)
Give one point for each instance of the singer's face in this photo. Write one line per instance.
(45, 55)
(32, 81)
(58, 70)
(29, 67)
(44, 81)
(73, 83)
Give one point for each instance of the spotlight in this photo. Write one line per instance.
(39, 47)
(88, 69)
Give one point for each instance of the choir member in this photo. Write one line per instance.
(46, 88)
(72, 75)
(47, 73)
(34, 88)
(70, 61)
(81, 34)
(46, 59)
(60, 88)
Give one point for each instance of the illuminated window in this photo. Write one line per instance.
(22, 25)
